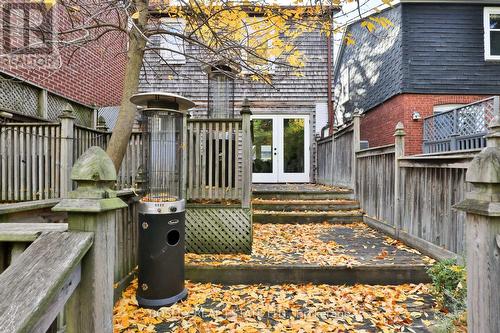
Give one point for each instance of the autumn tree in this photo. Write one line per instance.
(252, 35)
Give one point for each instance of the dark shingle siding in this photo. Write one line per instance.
(444, 50)
(374, 61)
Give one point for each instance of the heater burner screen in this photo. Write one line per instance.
(164, 160)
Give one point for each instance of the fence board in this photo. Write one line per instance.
(375, 183)
(335, 158)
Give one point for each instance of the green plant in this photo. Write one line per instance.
(449, 285)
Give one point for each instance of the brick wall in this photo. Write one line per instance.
(91, 75)
(377, 124)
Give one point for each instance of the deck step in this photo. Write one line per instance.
(303, 205)
(304, 195)
(280, 217)
(302, 274)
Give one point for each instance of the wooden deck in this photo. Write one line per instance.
(314, 253)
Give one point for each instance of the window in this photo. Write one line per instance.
(492, 33)
(220, 92)
(172, 47)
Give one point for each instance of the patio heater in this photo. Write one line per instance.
(162, 208)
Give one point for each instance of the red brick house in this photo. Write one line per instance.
(438, 55)
(90, 75)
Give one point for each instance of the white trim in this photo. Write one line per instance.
(488, 11)
(278, 174)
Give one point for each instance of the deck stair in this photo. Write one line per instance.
(304, 204)
(311, 234)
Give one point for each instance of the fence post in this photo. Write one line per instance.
(356, 144)
(399, 151)
(482, 207)
(43, 106)
(67, 136)
(246, 187)
(91, 207)
(185, 152)
(101, 124)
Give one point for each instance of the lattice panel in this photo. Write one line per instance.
(475, 118)
(439, 127)
(56, 105)
(472, 119)
(218, 230)
(18, 97)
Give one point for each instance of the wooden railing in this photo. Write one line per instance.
(38, 214)
(30, 161)
(77, 267)
(216, 168)
(462, 128)
(36, 286)
(36, 158)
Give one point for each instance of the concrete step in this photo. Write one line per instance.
(345, 194)
(303, 205)
(280, 217)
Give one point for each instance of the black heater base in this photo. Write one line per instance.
(159, 303)
(161, 259)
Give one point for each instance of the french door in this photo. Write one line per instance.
(280, 149)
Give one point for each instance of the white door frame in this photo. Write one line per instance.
(278, 174)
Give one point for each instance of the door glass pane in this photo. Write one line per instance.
(293, 139)
(262, 145)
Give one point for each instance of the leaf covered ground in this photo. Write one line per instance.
(317, 244)
(282, 308)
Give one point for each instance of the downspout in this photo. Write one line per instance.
(329, 47)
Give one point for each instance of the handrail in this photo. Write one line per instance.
(35, 288)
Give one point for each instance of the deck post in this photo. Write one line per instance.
(399, 151)
(91, 207)
(66, 162)
(356, 145)
(482, 207)
(246, 186)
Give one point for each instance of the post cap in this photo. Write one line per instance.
(95, 166)
(101, 124)
(245, 107)
(484, 174)
(95, 174)
(67, 112)
(400, 129)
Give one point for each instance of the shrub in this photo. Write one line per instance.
(449, 285)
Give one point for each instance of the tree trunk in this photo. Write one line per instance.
(118, 143)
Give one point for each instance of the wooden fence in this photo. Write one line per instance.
(36, 158)
(410, 197)
(429, 187)
(335, 157)
(216, 171)
(375, 182)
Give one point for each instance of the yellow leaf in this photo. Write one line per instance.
(135, 16)
(368, 25)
